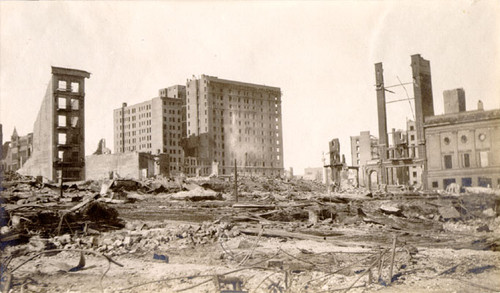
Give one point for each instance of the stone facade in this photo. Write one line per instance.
(463, 147)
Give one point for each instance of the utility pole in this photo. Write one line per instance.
(235, 181)
(123, 126)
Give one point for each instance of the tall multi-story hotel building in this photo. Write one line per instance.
(230, 121)
(153, 126)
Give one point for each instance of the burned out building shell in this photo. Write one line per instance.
(59, 129)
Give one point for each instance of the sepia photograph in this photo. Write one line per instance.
(250, 146)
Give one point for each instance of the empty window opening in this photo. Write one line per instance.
(74, 104)
(60, 155)
(75, 87)
(61, 138)
(484, 182)
(61, 120)
(466, 182)
(61, 103)
(61, 85)
(448, 181)
(74, 121)
(483, 159)
(447, 162)
(466, 161)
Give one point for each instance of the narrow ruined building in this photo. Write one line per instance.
(59, 129)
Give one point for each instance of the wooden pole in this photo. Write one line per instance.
(235, 181)
(61, 189)
(381, 264)
(392, 257)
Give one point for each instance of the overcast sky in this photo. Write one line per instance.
(321, 55)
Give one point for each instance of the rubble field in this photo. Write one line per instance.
(197, 235)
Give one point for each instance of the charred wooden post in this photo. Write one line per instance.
(235, 181)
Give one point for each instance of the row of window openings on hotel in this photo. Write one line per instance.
(465, 160)
(238, 99)
(251, 164)
(63, 86)
(246, 123)
(141, 139)
(133, 125)
(246, 91)
(276, 112)
(172, 119)
(141, 108)
(247, 131)
(133, 133)
(237, 115)
(145, 108)
(127, 119)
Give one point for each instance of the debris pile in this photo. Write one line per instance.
(281, 235)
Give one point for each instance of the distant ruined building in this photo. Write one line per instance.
(16, 151)
(459, 146)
